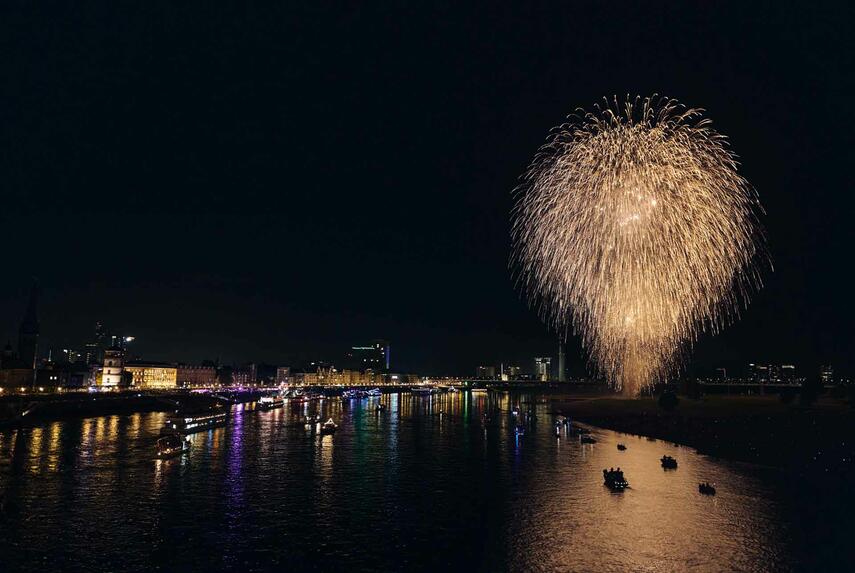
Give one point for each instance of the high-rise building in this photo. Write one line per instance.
(94, 353)
(774, 373)
(283, 375)
(561, 360)
(485, 372)
(788, 373)
(758, 373)
(510, 372)
(542, 368)
(721, 374)
(375, 356)
(826, 374)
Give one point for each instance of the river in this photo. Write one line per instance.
(431, 483)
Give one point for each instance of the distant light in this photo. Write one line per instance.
(129, 339)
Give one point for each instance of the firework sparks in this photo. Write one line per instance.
(633, 227)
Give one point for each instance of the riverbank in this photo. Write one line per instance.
(817, 439)
(33, 410)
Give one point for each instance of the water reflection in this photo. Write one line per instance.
(430, 481)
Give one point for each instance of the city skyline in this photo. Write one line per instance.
(372, 356)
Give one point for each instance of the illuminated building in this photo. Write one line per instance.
(485, 372)
(244, 376)
(561, 360)
(283, 375)
(111, 374)
(190, 376)
(94, 353)
(542, 367)
(510, 372)
(788, 373)
(826, 374)
(375, 357)
(758, 373)
(152, 376)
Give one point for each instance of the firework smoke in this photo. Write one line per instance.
(633, 226)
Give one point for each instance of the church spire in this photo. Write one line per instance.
(28, 333)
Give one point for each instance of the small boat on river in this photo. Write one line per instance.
(668, 463)
(328, 427)
(171, 445)
(614, 480)
(706, 488)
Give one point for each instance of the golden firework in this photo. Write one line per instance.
(632, 225)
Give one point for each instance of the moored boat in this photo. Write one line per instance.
(270, 402)
(190, 423)
(621, 447)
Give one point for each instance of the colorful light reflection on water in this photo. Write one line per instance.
(431, 481)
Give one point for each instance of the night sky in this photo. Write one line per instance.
(279, 184)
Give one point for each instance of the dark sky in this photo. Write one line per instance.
(277, 184)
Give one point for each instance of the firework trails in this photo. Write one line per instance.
(633, 226)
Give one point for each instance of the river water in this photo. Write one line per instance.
(431, 483)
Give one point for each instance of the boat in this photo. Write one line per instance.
(190, 423)
(381, 407)
(422, 390)
(328, 427)
(171, 445)
(519, 430)
(478, 390)
(270, 402)
(515, 411)
(351, 394)
(453, 390)
(586, 439)
(669, 463)
(621, 447)
(614, 480)
(706, 488)
(374, 392)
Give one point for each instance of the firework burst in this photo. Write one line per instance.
(632, 227)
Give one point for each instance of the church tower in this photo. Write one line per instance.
(28, 332)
